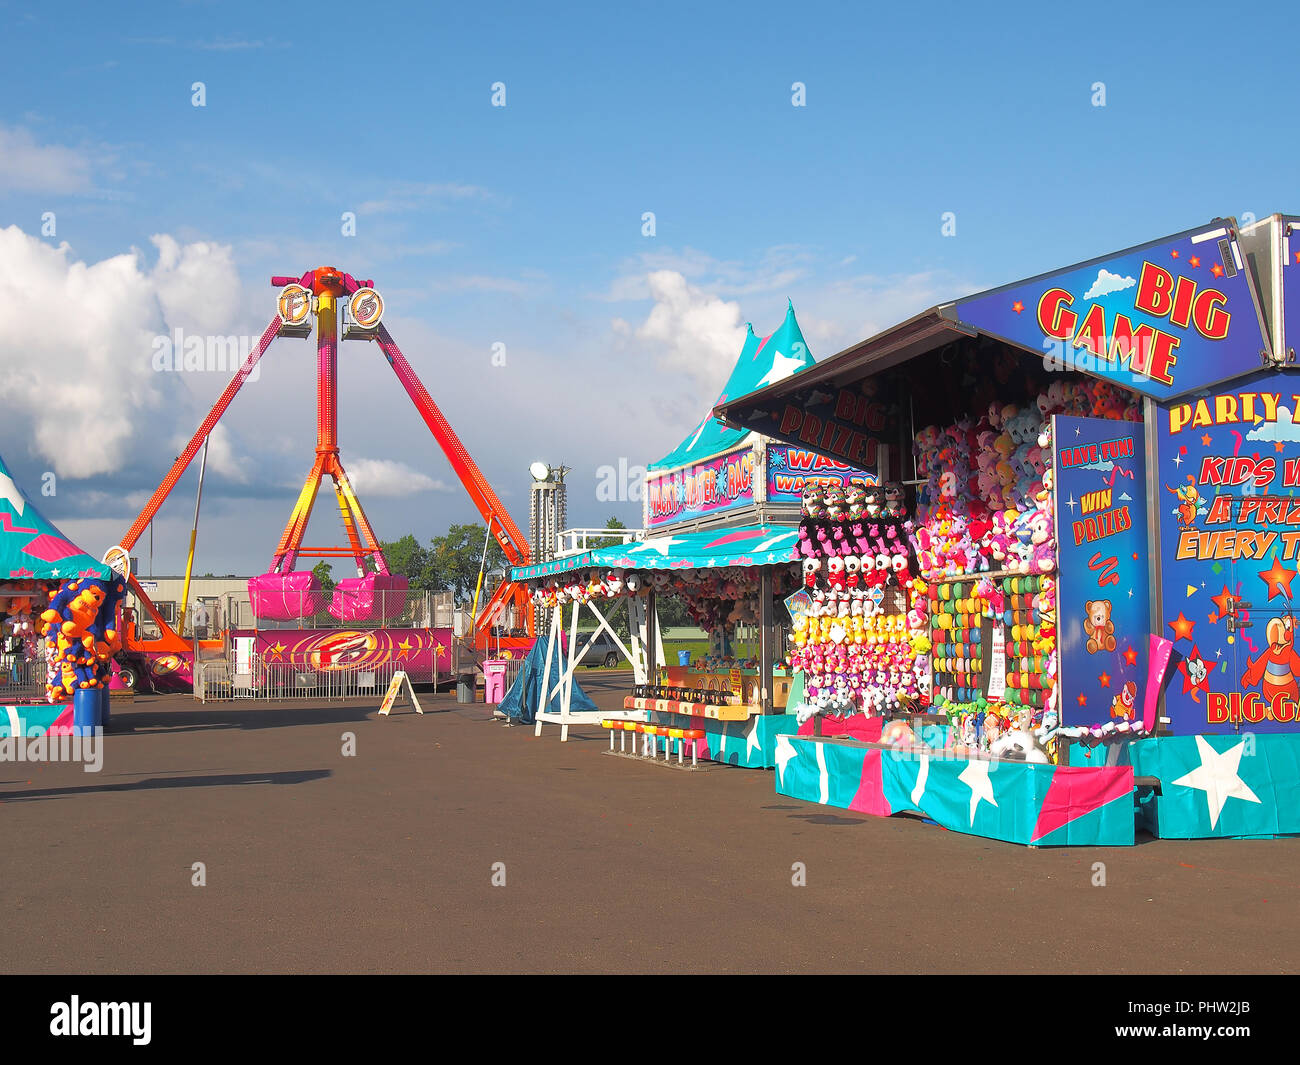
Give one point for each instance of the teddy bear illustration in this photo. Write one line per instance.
(1098, 626)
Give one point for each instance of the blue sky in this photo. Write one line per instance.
(523, 225)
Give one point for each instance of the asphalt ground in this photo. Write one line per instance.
(383, 861)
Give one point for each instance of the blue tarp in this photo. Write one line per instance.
(521, 700)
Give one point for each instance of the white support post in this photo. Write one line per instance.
(566, 699)
(603, 624)
(636, 625)
(546, 672)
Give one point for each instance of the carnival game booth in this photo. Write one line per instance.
(727, 577)
(41, 575)
(1101, 535)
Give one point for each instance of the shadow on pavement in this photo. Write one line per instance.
(301, 776)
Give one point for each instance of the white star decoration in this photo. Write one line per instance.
(922, 775)
(976, 777)
(785, 753)
(782, 367)
(1217, 777)
(752, 742)
(11, 492)
(662, 544)
(1072, 502)
(823, 777)
(1178, 460)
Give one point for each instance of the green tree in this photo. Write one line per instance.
(409, 559)
(455, 559)
(608, 541)
(325, 574)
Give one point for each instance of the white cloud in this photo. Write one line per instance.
(688, 331)
(1107, 283)
(386, 477)
(1285, 428)
(26, 166)
(76, 343)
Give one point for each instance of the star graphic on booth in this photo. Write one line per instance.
(1082, 699)
(1130, 656)
(783, 366)
(278, 649)
(1174, 252)
(1206, 439)
(1104, 680)
(1223, 601)
(1194, 261)
(405, 645)
(823, 776)
(662, 544)
(1218, 777)
(785, 754)
(1216, 270)
(976, 777)
(1182, 628)
(1017, 306)
(1275, 577)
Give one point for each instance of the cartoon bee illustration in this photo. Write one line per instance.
(1188, 501)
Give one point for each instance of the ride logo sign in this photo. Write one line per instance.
(1228, 487)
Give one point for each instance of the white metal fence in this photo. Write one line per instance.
(218, 682)
(20, 679)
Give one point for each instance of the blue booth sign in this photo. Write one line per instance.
(1102, 602)
(1229, 521)
(1163, 318)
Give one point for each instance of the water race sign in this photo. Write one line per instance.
(1163, 319)
(790, 468)
(708, 487)
(1103, 611)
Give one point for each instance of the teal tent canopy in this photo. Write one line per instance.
(761, 363)
(31, 546)
(749, 545)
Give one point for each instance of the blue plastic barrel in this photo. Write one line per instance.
(683, 658)
(85, 711)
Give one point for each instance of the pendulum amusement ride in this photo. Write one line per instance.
(285, 594)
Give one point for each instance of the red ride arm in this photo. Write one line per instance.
(507, 534)
(187, 456)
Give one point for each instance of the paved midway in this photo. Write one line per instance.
(383, 862)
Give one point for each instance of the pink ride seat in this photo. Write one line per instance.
(285, 596)
(376, 596)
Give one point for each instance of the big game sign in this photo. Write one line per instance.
(1163, 319)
